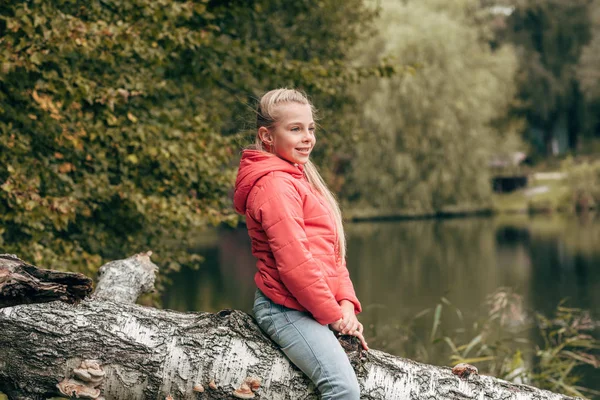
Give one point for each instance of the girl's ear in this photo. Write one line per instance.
(265, 135)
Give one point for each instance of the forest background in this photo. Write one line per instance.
(121, 122)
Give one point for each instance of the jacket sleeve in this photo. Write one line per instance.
(346, 290)
(277, 206)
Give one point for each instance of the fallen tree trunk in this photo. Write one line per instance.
(108, 347)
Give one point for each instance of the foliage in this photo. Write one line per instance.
(508, 343)
(550, 36)
(430, 135)
(117, 118)
(587, 68)
(567, 344)
(587, 73)
(584, 183)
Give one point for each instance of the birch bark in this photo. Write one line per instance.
(135, 352)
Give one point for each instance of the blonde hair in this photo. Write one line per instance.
(266, 116)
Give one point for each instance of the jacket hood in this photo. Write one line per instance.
(254, 165)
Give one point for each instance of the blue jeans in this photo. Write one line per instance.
(312, 347)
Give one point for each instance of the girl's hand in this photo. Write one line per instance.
(360, 337)
(349, 324)
(337, 325)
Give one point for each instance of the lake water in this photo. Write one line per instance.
(402, 268)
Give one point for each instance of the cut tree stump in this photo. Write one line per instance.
(108, 347)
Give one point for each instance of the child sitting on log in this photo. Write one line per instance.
(304, 289)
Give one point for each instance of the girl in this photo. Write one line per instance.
(295, 224)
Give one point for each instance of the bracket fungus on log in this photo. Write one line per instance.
(87, 377)
(464, 370)
(198, 388)
(243, 392)
(75, 388)
(253, 382)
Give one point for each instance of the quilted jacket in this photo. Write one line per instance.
(294, 237)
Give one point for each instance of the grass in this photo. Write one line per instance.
(505, 341)
(519, 201)
(577, 190)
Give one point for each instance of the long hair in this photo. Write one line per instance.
(266, 116)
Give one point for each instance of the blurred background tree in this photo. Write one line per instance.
(550, 36)
(430, 135)
(121, 121)
(118, 119)
(588, 74)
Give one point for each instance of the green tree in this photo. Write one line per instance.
(118, 117)
(589, 76)
(550, 36)
(431, 133)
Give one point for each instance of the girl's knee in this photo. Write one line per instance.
(354, 390)
(343, 387)
(347, 391)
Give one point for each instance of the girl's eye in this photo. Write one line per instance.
(312, 129)
(295, 129)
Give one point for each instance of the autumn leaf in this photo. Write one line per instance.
(66, 168)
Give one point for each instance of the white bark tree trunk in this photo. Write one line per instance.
(134, 352)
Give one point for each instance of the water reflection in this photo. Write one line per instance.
(225, 279)
(401, 268)
(407, 266)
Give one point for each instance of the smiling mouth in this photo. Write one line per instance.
(304, 151)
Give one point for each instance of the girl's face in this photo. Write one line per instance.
(293, 135)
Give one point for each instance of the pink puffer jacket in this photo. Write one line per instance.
(294, 237)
